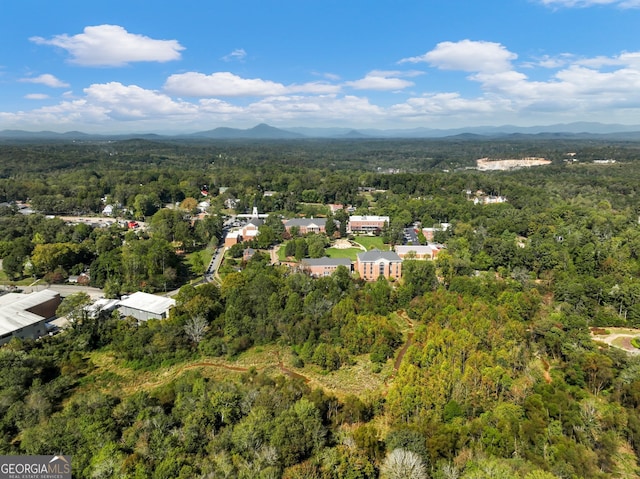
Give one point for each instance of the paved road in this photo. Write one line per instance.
(212, 270)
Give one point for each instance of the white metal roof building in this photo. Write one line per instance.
(102, 305)
(145, 306)
(24, 315)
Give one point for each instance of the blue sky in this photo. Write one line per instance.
(166, 66)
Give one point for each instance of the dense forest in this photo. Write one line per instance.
(480, 364)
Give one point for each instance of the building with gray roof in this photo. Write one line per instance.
(370, 265)
(306, 225)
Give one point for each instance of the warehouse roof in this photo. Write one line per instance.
(148, 302)
(14, 309)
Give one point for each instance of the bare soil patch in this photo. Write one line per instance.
(342, 244)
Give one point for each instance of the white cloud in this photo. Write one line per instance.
(630, 59)
(590, 89)
(226, 84)
(591, 3)
(550, 62)
(329, 76)
(46, 79)
(133, 102)
(380, 80)
(315, 108)
(63, 115)
(599, 89)
(112, 45)
(314, 88)
(36, 96)
(213, 105)
(436, 104)
(467, 55)
(236, 55)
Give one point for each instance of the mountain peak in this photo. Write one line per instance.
(261, 131)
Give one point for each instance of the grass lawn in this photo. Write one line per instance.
(371, 242)
(281, 250)
(343, 253)
(193, 260)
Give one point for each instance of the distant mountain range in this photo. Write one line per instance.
(579, 130)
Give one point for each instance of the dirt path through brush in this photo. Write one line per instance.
(407, 343)
(131, 381)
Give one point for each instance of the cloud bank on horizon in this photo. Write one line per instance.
(182, 76)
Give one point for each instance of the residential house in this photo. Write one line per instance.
(325, 266)
(367, 224)
(248, 253)
(489, 200)
(230, 203)
(375, 263)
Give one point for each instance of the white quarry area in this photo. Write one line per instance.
(485, 164)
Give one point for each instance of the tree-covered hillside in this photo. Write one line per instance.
(485, 363)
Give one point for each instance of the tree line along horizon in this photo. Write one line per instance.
(499, 377)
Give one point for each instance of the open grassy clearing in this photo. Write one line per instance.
(359, 379)
(371, 242)
(350, 253)
(198, 261)
(112, 377)
(281, 250)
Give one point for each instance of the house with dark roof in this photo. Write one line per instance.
(324, 266)
(248, 253)
(370, 265)
(306, 225)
